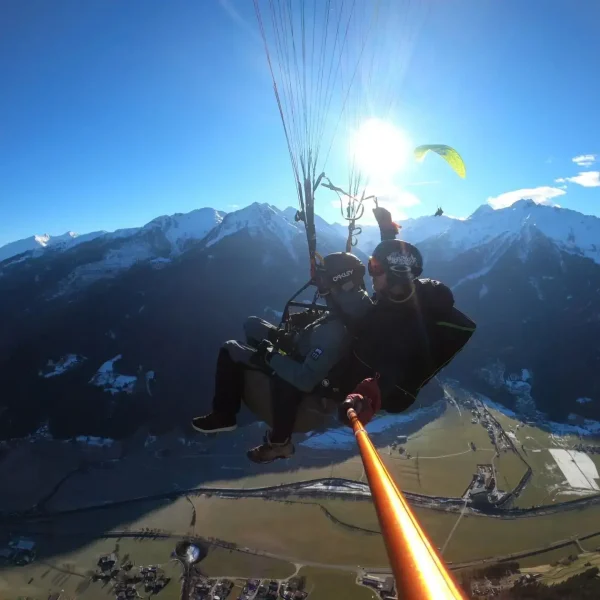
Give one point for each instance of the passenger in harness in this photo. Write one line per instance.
(291, 365)
(412, 332)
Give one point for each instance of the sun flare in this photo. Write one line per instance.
(379, 149)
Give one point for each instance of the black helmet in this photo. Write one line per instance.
(397, 259)
(340, 270)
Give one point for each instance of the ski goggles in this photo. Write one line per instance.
(376, 269)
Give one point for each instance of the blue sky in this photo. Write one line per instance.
(112, 112)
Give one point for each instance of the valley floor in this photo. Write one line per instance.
(151, 493)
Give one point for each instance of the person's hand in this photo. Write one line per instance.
(263, 354)
(302, 319)
(384, 220)
(365, 400)
(383, 215)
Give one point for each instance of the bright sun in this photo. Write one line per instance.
(380, 149)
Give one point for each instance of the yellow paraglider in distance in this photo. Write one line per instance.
(450, 155)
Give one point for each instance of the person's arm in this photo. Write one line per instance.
(387, 228)
(328, 345)
(436, 298)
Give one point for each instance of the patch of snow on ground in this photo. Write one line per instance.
(91, 440)
(43, 432)
(336, 439)
(577, 467)
(346, 488)
(518, 387)
(111, 381)
(64, 364)
(159, 262)
(383, 423)
(343, 438)
(16, 261)
(536, 286)
(575, 492)
(583, 400)
(501, 409)
(149, 378)
(589, 427)
(493, 373)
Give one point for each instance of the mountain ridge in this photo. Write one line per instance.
(165, 296)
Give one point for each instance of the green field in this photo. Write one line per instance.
(558, 573)
(481, 537)
(300, 531)
(291, 531)
(442, 462)
(324, 584)
(280, 536)
(221, 562)
(547, 485)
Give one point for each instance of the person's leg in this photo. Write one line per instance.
(229, 384)
(257, 330)
(232, 361)
(285, 400)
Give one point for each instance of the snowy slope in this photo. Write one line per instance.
(179, 229)
(571, 231)
(34, 242)
(414, 231)
(259, 219)
(321, 225)
(39, 242)
(110, 380)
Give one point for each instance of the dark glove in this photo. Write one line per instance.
(285, 340)
(388, 229)
(365, 400)
(263, 355)
(300, 320)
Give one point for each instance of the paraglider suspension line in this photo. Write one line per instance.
(355, 209)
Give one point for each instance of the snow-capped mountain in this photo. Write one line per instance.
(164, 296)
(175, 232)
(167, 238)
(181, 229)
(571, 231)
(40, 242)
(258, 220)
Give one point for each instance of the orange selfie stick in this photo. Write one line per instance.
(419, 571)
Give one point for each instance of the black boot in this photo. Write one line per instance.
(215, 423)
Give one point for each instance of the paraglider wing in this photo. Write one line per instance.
(449, 154)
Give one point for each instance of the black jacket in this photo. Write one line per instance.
(404, 342)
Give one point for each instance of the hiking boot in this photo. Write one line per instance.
(269, 451)
(215, 423)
